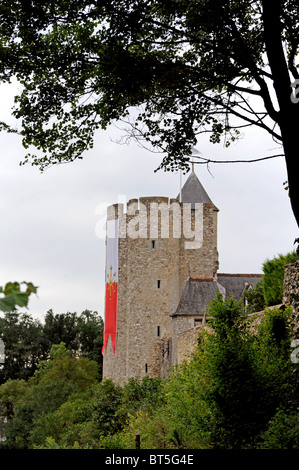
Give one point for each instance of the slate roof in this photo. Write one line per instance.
(237, 283)
(199, 292)
(193, 191)
(197, 295)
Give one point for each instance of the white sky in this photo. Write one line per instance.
(48, 221)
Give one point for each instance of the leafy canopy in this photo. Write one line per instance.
(186, 67)
(28, 341)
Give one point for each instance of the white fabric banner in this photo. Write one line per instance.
(112, 252)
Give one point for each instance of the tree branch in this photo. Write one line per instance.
(251, 65)
(208, 160)
(245, 118)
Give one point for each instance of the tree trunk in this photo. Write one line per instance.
(289, 130)
(288, 111)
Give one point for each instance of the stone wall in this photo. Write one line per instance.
(291, 283)
(186, 343)
(291, 292)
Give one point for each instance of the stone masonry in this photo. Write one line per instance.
(153, 271)
(291, 292)
(167, 275)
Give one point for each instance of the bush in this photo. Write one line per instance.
(249, 374)
(283, 431)
(255, 300)
(274, 275)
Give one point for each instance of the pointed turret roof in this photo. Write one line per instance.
(193, 191)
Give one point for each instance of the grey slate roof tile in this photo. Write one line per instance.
(193, 191)
(199, 292)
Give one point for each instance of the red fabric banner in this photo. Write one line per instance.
(111, 284)
(110, 314)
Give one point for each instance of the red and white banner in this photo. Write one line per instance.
(111, 281)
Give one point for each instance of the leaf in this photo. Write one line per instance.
(7, 304)
(11, 287)
(14, 297)
(31, 289)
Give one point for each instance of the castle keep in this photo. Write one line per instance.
(166, 276)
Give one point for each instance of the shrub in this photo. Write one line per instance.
(283, 431)
(274, 275)
(255, 300)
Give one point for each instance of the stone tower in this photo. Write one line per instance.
(162, 244)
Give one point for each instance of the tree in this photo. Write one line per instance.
(24, 344)
(27, 341)
(269, 290)
(186, 67)
(81, 333)
(90, 328)
(61, 328)
(250, 374)
(95, 418)
(11, 393)
(52, 383)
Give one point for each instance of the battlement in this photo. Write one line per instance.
(149, 203)
(155, 217)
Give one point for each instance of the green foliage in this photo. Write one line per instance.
(255, 300)
(239, 390)
(90, 329)
(234, 391)
(227, 317)
(97, 418)
(84, 332)
(12, 295)
(146, 394)
(65, 407)
(283, 431)
(226, 395)
(52, 384)
(64, 365)
(25, 345)
(273, 277)
(275, 330)
(247, 375)
(28, 341)
(269, 290)
(81, 420)
(11, 393)
(153, 55)
(188, 411)
(153, 428)
(145, 414)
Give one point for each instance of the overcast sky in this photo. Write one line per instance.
(50, 222)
